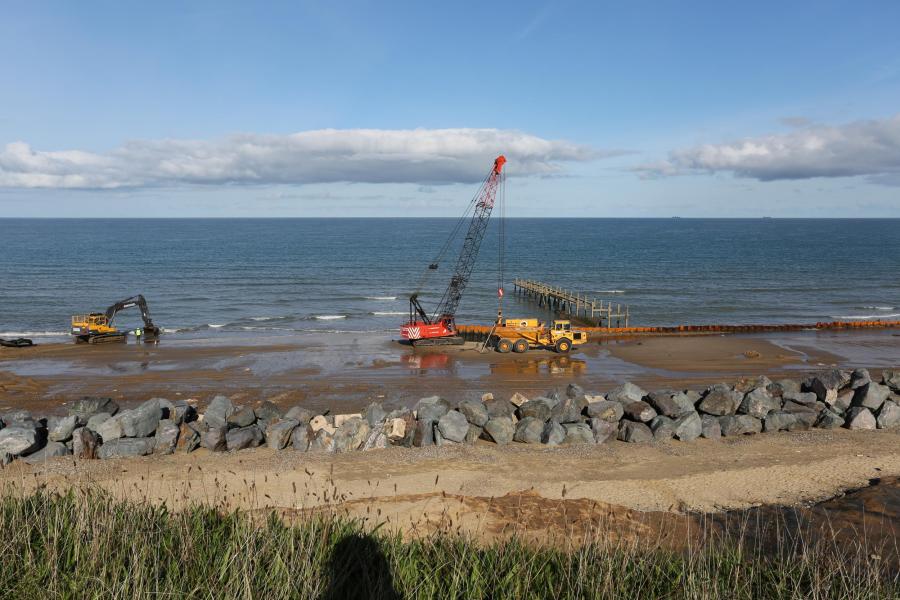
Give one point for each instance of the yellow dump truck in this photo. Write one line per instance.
(522, 335)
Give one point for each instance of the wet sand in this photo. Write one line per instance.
(344, 373)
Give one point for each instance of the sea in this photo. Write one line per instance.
(243, 279)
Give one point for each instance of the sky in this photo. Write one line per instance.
(320, 109)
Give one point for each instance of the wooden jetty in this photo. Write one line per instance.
(576, 305)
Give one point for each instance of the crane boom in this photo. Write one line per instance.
(441, 323)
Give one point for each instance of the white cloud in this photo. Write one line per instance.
(422, 156)
(869, 148)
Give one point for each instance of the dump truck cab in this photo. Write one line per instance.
(521, 335)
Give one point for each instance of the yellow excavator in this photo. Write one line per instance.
(98, 328)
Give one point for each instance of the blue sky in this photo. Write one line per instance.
(603, 108)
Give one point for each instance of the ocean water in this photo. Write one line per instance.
(245, 278)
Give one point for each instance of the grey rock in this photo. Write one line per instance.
(377, 440)
(603, 430)
(626, 393)
(87, 407)
(213, 439)
(688, 426)
(59, 429)
(663, 428)
(500, 430)
(891, 378)
(574, 391)
(829, 420)
(167, 433)
(793, 407)
(241, 417)
(453, 426)
(711, 429)
(720, 400)
(568, 410)
(745, 386)
(424, 434)
(639, 411)
(189, 436)
(860, 417)
(278, 433)
(301, 437)
(351, 435)
(126, 447)
(808, 398)
(497, 407)
(474, 433)
(670, 404)
(183, 412)
(888, 415)
(110, 429)
(529, 430)
(475, 411)
(635, 433)
(268, 412)
(733, 425)
(783, 386)
(578, 433)
(299, 414)
(51, 450)
(374, 414)
(871, 395)
(859, 378)
(553, 434)
(218, 411)
(608, 410)
(240, 438)
(19, 418)
(537, 408)
(85, 443)
(758, 403)
(431, 409)
(140, 422)
(843, 401)
(826, 385)
(778, 420)
(166, 407)
(805, 420)
(96, 420)
(323, 441)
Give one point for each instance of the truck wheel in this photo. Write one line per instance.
(520, 346)
(504, 346)
(563, 345)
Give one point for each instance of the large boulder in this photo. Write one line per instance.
(778, 420)
(633, 432)
(578, 433)
(213, 438)
(626, 393)
(189, 436)
(299, 414)
(537, 408)
(96, 420)
(783, 386)
(826, 385)
(663, 427)
(710, 428)
(85, 443)
(608, 410)
(475, 411)
(871, 395)
(88, 406)
(843, 401)
(474, 434)
(322, 441)
(424, 434)
(243, 437)
(351, 435)
(241, 417)
(278, 433)
(182, 412)
(125, 447)
(860, 417)
(807, 398)
(51, 450)
(19, 418)
(859, 378)
(603, 430)
(110, 429)
(431, 409)
(758, 403)
(301, 437)
(733, 425)
(888, 415)
(167, 433)
(140, 422)
(574, 391)
(267, 412)
(499, 430)
(829, 419)
(218, 411)
(529, 430)
(568, 410)
(518, 399)
(553, 434)
(670, 403)
(59, 429)
(497, 407)
(639, 411)
(374, 414)
(891, 378)
(19, 441)
(688, 427)
(720, 400)
(453, 426)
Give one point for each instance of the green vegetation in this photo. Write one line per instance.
(90, 546)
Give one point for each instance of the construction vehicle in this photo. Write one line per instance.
(439, 327)
(97, 328)
(522, 335)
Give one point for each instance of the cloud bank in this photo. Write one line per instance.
(421, 156)
(870, 148)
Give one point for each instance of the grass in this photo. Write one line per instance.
(91, 546)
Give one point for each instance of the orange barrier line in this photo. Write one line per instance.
(485, 329)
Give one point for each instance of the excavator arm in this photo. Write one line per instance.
(150, 330)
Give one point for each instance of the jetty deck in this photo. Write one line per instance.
(575, 305)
